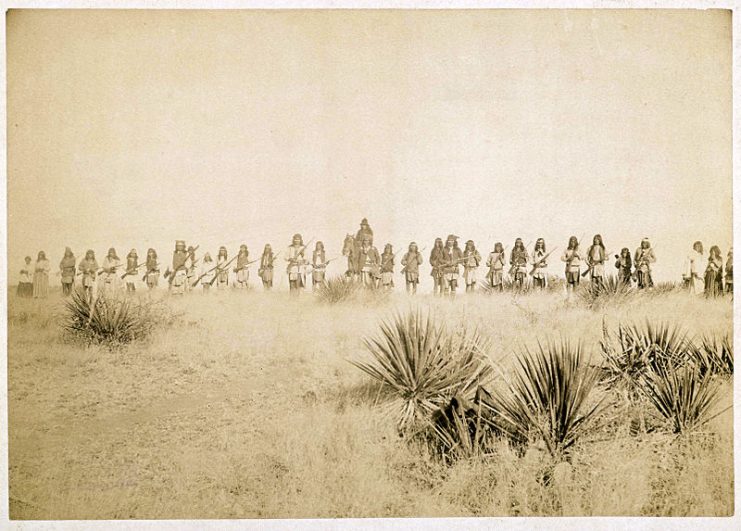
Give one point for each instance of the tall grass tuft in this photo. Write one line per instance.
(459, 431)
(682, 395)
(424, 364)
(109, 320)
(548, 398)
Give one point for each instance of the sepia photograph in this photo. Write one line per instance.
(369, 263)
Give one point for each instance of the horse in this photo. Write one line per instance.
(350, 249)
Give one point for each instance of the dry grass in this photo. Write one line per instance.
(246, 406)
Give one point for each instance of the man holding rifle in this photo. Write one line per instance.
(296, 264)
(242, 269)
(370, 262)
(108, 275)
(411, 262)
(452, 258)
(596, 257)
(178, 277)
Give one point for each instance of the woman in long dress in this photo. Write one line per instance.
(714, 273)
(41, 277)
(67, 271)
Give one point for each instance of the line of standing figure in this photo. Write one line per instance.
(448, 262)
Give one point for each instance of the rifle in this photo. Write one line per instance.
(272, 259)
(324, 264)
(149, 271)
(535, 264)
(513, 267)
(195, 283)
(135, 268)
(220, 270)
(170, 275)
(102, 270)
(586, 272)
(295, 259)
(404, 269)
(245, 265)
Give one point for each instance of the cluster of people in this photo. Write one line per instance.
(709, 276)
(448, 262)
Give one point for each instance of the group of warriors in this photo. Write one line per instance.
(448, 262)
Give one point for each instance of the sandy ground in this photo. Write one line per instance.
(245, 406)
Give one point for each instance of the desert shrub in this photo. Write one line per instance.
(337, 289)
(548, 397)
(714, 355)
(682, 395)
(424, 364)
(610, 290)
(109, 320)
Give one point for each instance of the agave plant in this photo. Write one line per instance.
(106, 319)
(549, 397)
(424, 365)
(682, 395)
(713, 355)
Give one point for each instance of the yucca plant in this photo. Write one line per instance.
(682, 395)
(610, 290)
(424, 365)
(338, 289)
(714, 355)
(459, 431)
(652, 345)
(548, 397)
(106, 319)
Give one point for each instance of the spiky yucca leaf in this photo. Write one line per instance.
(424, 364)
(548, 397)
(681, 395)
(458, 431)
(655, 344)
(714, 355)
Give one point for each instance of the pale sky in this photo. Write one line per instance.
(134, 128)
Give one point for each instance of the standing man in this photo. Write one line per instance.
(452, 258)
(178, 277)
(88, 268)
(495, 263)
(518, 264)
(624, 265)
(190, 268)
(207, 273)
(222, 272)
(296, 263)
(370, 262)
(471, 261)
(387, 267)
(729, 272)
(437, 261)
(67, 270)
(266, 267)
(242, 268)
(596, 261)
(152, 276)
(132, 270)
(318, 266)
(540, 265)
(110, 263)
(572, 257)
(694, 269)
(644, 257)
(411, 262)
